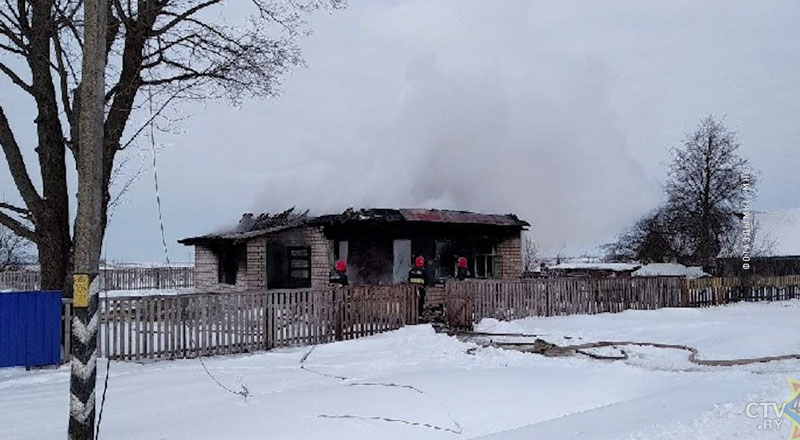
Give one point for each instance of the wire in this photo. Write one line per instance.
(244, 391)
(108, 367)
(163, 243)
(155, 180)
(103, 400)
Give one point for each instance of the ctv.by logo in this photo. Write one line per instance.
(773, 414)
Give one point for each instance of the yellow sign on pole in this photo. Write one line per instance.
(80, 290)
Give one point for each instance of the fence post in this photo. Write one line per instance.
(547, 299)
(338, 310)
(67, 328)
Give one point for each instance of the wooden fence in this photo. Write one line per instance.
(470, 301)
(118, 278)
(705, 292)
(184, 326)
(21, 280)
(134, 278)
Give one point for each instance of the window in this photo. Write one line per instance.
(229, 260)
(485, 266)
(445, 259)
(288, 267)
(342, 248)
(486, 260)
(276, 266)
(299, 266)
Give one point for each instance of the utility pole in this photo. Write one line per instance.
(88, 237)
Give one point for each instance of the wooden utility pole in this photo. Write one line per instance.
(88, 236)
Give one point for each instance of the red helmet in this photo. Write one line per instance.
(419, 262)
(340, 266)
(462, 262)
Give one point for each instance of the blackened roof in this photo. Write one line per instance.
(445, 216)
(421, 215)
(250, 227)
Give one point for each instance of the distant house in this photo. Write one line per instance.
(778, 265)
(782, 228)
(299, 251)
(589, 269)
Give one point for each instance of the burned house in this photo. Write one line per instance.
(291, 250)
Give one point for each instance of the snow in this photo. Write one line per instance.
(616, 267)
(670, 269)
(782, 226)
(415, 383)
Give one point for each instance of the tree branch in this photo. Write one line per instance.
(16, 79)
(17, 227)
(17, 165)
(22, 211)
(183, 16)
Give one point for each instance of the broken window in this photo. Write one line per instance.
(445, 259)
(276, 266)
(288, 267)
(342, 248)
(230, 258)
(299, 267)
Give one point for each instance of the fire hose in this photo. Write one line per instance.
(544, 348)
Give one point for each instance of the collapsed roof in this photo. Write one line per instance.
(254, 226)
(420, 215)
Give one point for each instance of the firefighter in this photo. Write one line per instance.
(461, 272)
(339, 274)
(417, 277)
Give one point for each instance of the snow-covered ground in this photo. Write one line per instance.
(414, 383)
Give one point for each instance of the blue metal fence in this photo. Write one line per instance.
(30, 328)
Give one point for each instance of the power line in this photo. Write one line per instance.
(155, 178)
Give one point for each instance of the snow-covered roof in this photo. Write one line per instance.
(670, 269)
(613, 267)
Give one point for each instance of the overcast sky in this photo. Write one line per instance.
(561, 112)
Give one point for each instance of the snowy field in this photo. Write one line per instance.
(416, 384)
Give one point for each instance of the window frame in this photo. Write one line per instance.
(291, 258)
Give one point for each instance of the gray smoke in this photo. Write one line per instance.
(525, 131)
(560, 112)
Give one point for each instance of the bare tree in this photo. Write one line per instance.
(708, 185)
(14, 250)
(530, 255)
(651, 239)
(159, 52)
(707, 192)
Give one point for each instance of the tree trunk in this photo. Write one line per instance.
(55, 248)
(88, 230)
(51, 215)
